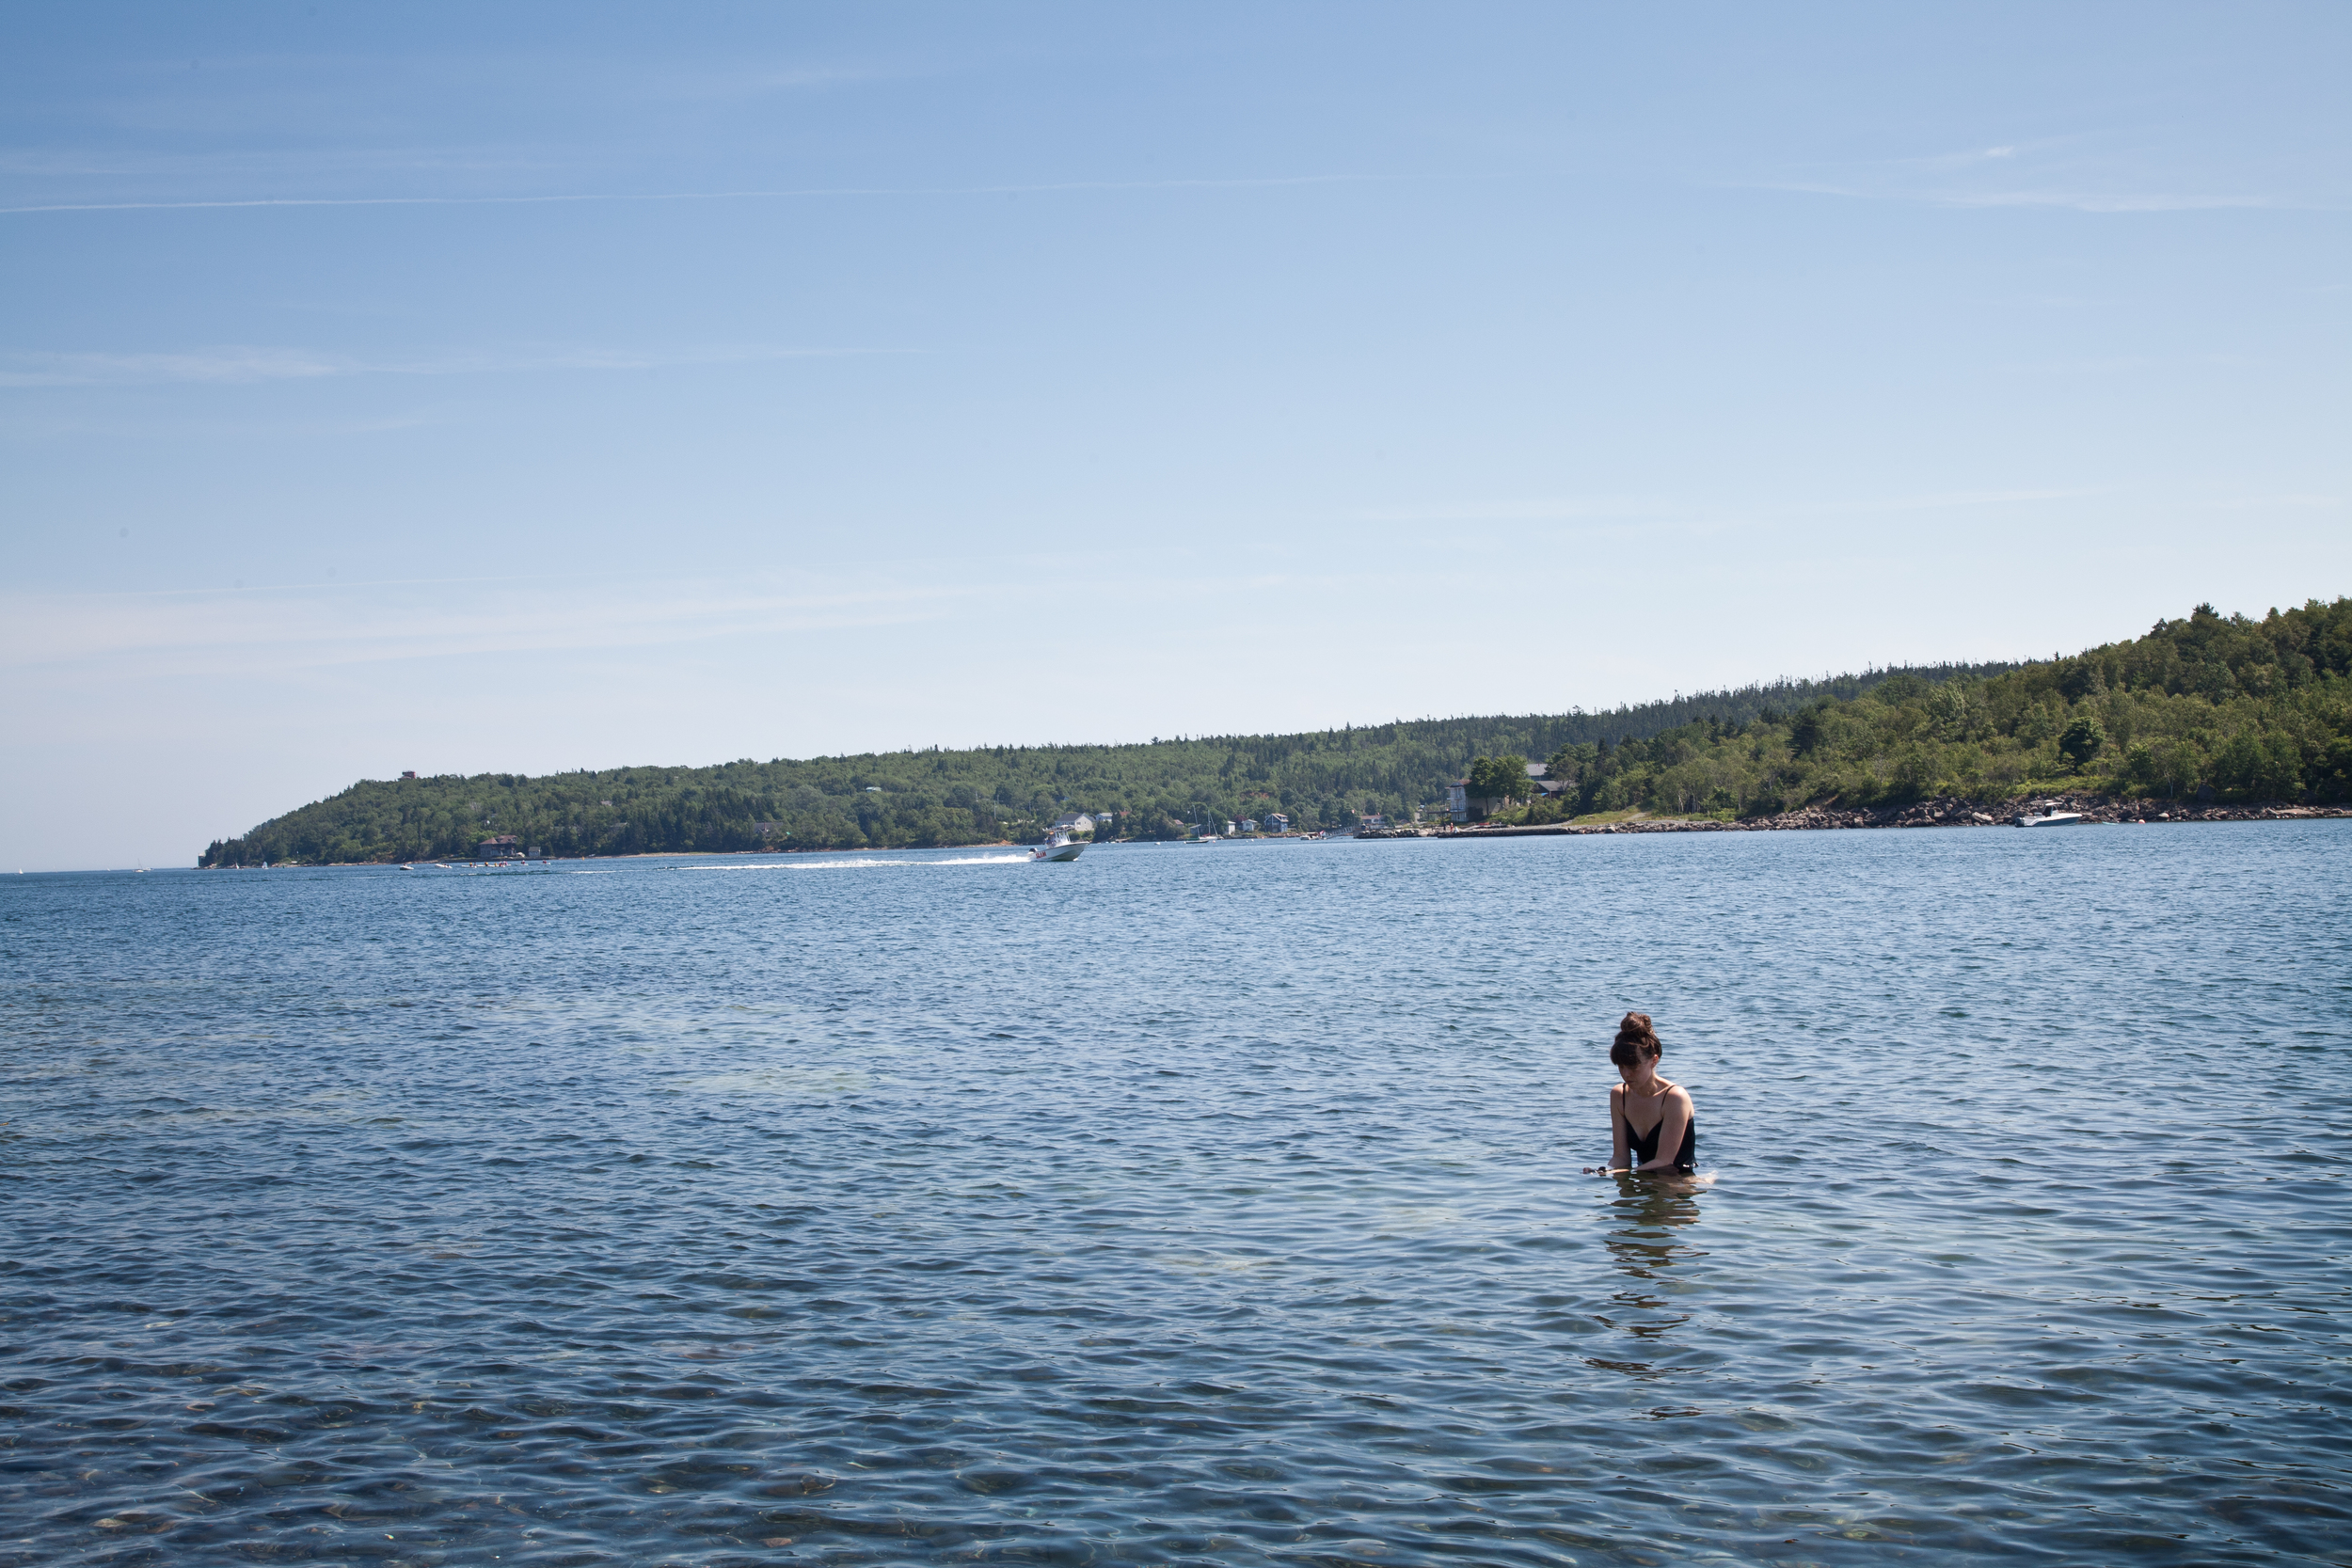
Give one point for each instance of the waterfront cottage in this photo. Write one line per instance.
(1461, 805)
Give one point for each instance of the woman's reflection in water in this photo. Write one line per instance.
(1643, 1242)
(1646, 1209)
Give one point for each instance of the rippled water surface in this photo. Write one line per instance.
(1212, 1204)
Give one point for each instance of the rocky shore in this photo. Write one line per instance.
(1944, 812)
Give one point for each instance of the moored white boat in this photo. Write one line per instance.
(2050, 819)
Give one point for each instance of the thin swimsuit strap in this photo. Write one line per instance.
(1661, 1097)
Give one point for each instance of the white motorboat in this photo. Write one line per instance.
(1059, 846)
(2050, 819)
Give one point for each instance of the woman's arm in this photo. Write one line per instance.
(1670, 1130)
(1619, 1152)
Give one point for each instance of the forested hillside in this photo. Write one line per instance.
(900, 799)
(2205, 707)
(2229, 707)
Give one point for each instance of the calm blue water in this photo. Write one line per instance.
(1212, 1204)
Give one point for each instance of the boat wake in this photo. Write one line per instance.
(863, 864)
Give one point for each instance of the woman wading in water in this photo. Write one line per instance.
(1649, 1119)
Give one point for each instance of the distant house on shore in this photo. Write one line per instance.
(506, 846)
(1462, 806)
(1276, 822)
(1249, 824)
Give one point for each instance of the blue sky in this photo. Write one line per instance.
(530, 388)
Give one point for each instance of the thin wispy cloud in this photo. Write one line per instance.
(1654, 511)
(225, 365)
(1043, 188)
(272, 629)
(274, 170)
(237, 364)
(2075, 200)
(2133, 364)
(1592, 509)
(2079, 173)
(1973, 157)
(761, 80)
(1942, 499)
(2288, 501)
(357, 623)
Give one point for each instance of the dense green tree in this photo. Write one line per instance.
(1808, 729)
(1501, 779)
(2081, 741)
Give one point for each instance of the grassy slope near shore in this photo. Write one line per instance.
(2245, 708)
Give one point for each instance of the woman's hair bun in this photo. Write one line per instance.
(1635, 1040)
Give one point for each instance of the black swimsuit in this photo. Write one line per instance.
(1645, 1147)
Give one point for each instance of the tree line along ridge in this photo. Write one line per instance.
(2206, 706)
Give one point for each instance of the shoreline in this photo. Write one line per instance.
(1943, 811)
